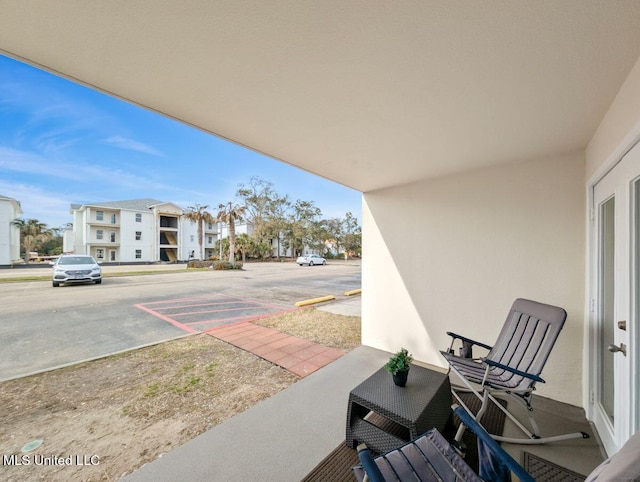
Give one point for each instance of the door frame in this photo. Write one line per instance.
(590, 368)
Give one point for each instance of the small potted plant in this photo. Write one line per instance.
(398, 365)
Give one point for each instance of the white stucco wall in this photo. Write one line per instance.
(189, 240)
(127, 236)
(618, 129)
(9, 233)
(453, 253)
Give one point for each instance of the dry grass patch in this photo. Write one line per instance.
(126, 410)
(129, 409)
(337, 331)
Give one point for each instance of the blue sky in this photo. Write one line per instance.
(62, 143)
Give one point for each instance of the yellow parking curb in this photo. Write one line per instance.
(315, 300)
(353, 292)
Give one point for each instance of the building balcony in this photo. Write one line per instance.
(102, 243)
(105, 223)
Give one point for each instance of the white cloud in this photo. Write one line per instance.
(49, 208)
(14, 160)
(30, 163)
(131, 145)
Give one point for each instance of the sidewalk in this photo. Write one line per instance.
(301, 357)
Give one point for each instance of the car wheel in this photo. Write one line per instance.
(55, 284)
(99, 281)
(310, 263)
(324, 263)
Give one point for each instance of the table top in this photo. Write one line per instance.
(409, 402)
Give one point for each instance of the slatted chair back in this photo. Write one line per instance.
(525, 341)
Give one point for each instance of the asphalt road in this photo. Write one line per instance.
(42, 327)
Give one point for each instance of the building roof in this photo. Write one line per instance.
(132, 204)
(11, 200)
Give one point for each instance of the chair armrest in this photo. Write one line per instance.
(468, 340)
(498, 453)
(369, 465)
(530, 376)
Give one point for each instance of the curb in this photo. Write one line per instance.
(315, 300)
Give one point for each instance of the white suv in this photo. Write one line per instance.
(76, 268)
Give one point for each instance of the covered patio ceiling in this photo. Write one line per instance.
(369, 94)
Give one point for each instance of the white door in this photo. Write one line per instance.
(614, 302)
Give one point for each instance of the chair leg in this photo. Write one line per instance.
(532, 438)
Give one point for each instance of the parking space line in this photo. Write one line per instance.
(174, 300)
(222, 303)
(240, 318)
(166, 318)
(186, 313)
(201, 319)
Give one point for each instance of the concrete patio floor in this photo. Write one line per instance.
(284, 437)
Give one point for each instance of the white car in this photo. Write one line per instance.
(311, 259)
(76, 268)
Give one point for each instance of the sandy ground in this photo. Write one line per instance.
(103, 419)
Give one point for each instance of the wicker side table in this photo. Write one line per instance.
(424, 403)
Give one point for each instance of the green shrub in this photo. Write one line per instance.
(199, 264)
(226, 265)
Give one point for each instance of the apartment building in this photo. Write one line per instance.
(10, 210)
(139, 230)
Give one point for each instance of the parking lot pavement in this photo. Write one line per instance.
(201, 313)
(42, 327)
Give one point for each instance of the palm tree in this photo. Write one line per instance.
(229, 214)
(199, 215)
(31, 231)
(244, 244)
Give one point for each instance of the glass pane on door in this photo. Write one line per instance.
(607, 307)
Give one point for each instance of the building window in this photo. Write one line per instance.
(100, 253)
(99, 234)
(138, 235)
(138, 218)
(138, 254)
(99, 215)
(113, 219)
(112, 236)
(209, 226)
(210, 239)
